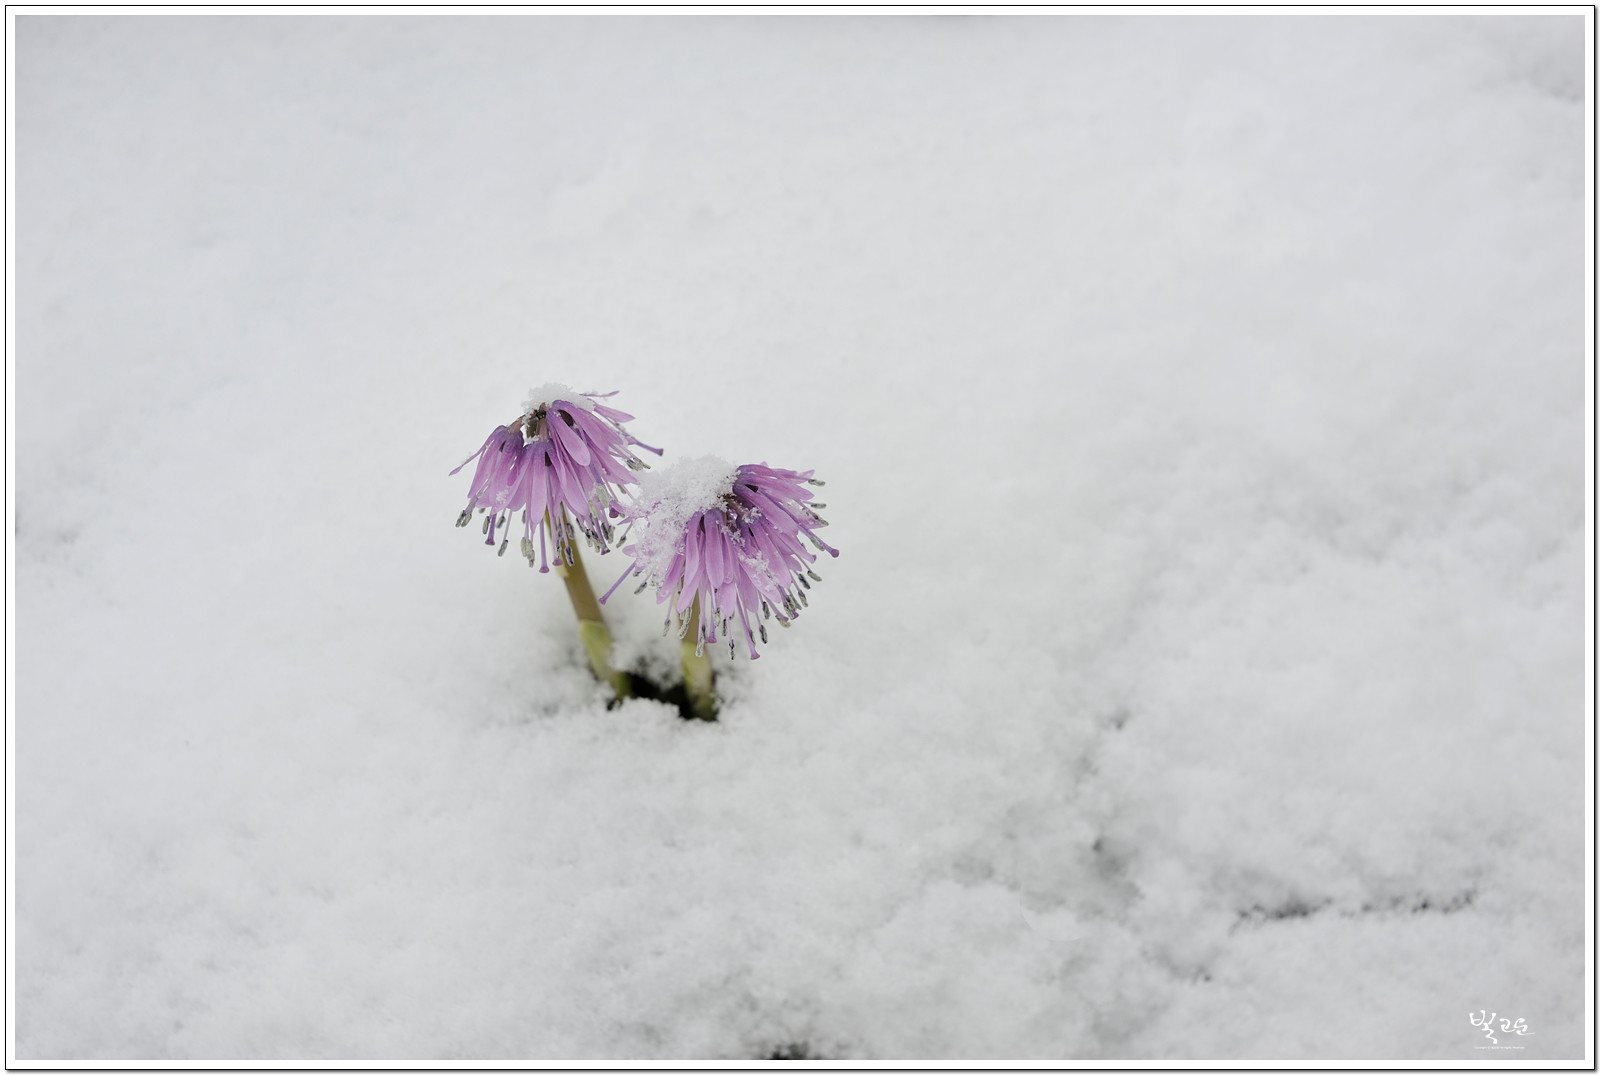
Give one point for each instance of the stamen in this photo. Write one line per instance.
(614, 585)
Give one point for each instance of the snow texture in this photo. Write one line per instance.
(1201, 404)
(550, 393)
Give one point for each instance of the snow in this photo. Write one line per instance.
(550, 393)
(665, 500)
(684, 488)
(1201, 402)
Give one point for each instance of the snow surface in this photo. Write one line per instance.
(1201, 404)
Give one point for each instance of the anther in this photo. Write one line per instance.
(503, 543)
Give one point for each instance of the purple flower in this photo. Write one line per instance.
(561, 462)
(731, 537)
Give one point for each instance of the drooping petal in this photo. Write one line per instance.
(713, 549)
(612, 413)
(693, 539)
(536, 496)
(670, 580)
(569, 437)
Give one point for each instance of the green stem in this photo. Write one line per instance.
(697, 668)
(591, 625)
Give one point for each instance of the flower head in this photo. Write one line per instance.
(729, 536)
(561, 462)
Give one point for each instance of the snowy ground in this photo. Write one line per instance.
(1201, 405)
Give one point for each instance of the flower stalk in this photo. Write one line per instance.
(592, 630)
